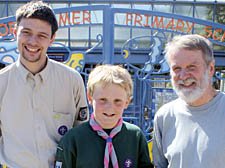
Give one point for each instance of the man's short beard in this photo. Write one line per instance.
(191, 95)
(29, 60)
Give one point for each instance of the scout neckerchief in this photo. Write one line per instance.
(109, 149)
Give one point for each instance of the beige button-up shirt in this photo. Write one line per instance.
(36, 111)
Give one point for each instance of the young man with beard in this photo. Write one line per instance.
(189, 132)
(40, 99)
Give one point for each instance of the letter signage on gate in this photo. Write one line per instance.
(7, 28)
(158, 22)
(75, 17)
(177, 25)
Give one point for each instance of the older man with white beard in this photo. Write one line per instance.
(189, 132)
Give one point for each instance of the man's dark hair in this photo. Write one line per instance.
(38, 10)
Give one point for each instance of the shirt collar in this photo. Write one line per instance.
(22, 71)
(46, 71)
(25, 73)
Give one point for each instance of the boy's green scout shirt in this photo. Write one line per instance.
(82, 147)
(36, 111)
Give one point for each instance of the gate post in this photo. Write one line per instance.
(108, 36)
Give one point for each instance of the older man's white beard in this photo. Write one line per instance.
(191, 95)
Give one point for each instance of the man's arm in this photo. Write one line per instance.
(82, 112)
(159, 160)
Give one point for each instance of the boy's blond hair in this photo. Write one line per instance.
(110, 74)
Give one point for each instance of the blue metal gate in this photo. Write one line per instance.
(141, 53)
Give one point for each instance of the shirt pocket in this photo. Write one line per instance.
(62, 123)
